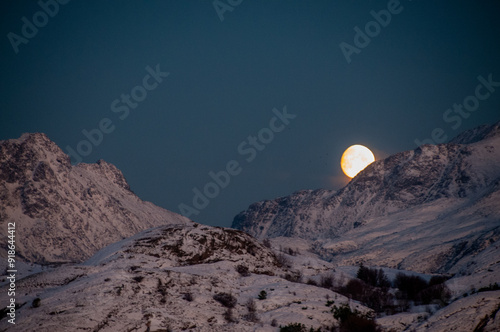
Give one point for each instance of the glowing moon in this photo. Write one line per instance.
(355, 159)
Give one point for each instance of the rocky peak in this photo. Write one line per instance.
(21, 158)
(64, 212)
(477, 134)
(109, 171)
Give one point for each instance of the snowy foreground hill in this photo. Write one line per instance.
(432, 214)
(167, 277)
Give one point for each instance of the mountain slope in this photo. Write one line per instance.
(167, 277)
(423, 210)
(63, 212)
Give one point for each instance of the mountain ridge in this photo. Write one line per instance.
(67, 212)
(443, 195)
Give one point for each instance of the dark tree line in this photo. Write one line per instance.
(371, 287)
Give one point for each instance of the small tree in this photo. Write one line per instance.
(373, 277)
(382, 279)
(262, 295)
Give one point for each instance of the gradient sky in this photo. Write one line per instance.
(226, 77)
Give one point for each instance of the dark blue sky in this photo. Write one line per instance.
(226, 77)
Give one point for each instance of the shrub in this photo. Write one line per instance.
(491, 287)
(188, 297)
(359, 324)
(436, 280)
(379, 299)
(353, 320)
(262, 295)
(138, 278)
(414, 288)
(293, 327)
(242, 270)
(438, 292)
(341, 313)
(36, 303)
(228, 316)
(282, 260)
(226, 299)
(312, 282)
(274, 323)
(251, 307)
(251, 316)
(266, 243)
(356, 289)
(327, 281)
(294, 276)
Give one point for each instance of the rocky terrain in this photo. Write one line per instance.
(167, 277)
(65, 213)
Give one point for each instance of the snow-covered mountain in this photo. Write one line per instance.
(429, 210)
(66, 213)
(167, 277)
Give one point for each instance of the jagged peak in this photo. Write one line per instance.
(31, 149)
(477, 134)
(27, 137)
(38, 145)
(109, 170)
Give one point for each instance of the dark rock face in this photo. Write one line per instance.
(64, 212)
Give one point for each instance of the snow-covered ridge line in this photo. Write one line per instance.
(65, 213)
(424, 209)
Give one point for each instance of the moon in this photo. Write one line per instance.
(355, 159)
